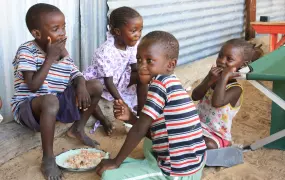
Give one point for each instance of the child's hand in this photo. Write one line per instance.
(105, 164)
(215, 74)
(230, 73)
(83, 99)
(55, 50)
(121, 110)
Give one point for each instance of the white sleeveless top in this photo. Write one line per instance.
(218, 120)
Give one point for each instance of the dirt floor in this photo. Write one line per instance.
(252, 123)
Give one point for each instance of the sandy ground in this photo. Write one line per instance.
(251, 123)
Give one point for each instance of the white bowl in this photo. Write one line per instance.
(61, 159)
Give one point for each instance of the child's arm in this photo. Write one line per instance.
(139, 130)
(135, 135)
(221, 96)
(200, 91)
(123, 113)
(112, 88)
(35, 79)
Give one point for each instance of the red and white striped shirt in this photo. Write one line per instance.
(176, 130)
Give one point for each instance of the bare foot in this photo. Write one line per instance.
(74, 133)
(50, 169)
(108, 126)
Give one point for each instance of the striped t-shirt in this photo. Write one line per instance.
(30, 57)
(176, 130)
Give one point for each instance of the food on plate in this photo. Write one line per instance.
(85, 159)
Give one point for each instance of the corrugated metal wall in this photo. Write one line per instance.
(82, 40)
(275, 9)
(93, 24)
(201, 26)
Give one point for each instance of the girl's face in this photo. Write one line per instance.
(131, 32)
(229, 57)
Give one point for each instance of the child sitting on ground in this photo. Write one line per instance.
(48, 85)
(178, 148)
(219, 95)
(114, 63)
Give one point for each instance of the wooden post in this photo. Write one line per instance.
(250, 17)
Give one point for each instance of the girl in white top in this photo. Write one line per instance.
(219, 95)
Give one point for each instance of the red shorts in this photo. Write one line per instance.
(219, 141)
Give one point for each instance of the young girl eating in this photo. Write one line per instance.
(219, 95)
(114, 62)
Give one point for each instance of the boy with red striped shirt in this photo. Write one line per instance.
(178, 148)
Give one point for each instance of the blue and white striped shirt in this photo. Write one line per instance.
(30, 57)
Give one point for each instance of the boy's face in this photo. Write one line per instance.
(152, 60)
(53, 26)
(132, 31)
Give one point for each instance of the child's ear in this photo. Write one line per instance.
(36, 34)
(171, 64)
(117, 31)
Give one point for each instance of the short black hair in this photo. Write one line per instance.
(167, 41)
(248, 49)
(121, 15)
(33, 15)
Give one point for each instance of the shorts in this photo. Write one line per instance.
(68, 111)
(219, 141)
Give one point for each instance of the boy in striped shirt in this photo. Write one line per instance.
(178, 148)
(49, 87)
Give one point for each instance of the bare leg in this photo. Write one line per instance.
(108, 126)
(211, 144)
(46, 108)
(94, 88)
(141, 90)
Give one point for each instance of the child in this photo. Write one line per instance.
(219, 95)
(48, 85)
(176, 133)
(114, 62)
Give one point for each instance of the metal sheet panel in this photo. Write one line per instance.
(81, 39)
(275, 9)
(201, 26)
(93, 28)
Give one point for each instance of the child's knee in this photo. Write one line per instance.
(211, 144)
(50, 104)
(95, 88)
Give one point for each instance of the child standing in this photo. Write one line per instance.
(48, 85)
(178, 148)
(114, 62)
(219, 95)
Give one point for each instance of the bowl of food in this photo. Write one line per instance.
(82, 159)
(127, 127)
